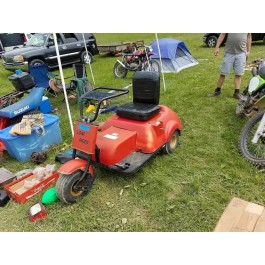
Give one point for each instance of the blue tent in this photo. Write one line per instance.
(175, 55)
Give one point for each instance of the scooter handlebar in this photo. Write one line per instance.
(99, 95)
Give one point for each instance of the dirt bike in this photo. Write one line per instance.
(139, 60)
(252, 138)
(253, 99)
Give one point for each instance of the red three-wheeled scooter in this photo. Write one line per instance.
(126, 140)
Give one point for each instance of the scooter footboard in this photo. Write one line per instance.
(72, 166)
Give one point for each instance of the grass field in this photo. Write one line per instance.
(185, 191)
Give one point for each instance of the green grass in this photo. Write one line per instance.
(185, 191)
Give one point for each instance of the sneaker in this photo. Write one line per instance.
(215, 93)
(237, 95)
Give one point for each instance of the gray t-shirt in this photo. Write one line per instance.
(236, 43)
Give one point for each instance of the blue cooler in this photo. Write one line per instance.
(22, 146)
(45, 105)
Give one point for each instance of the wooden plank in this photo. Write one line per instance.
(249, 218)
(111, 48)
(116, 47)
(236, 229)
(231, 215)
(260, 226)
(241, 216)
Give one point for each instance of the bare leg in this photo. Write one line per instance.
(220, 80)
(237, 81)
(217, 91)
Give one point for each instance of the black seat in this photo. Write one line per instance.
(146, 93)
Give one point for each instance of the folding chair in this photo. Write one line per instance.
(79, 70)
(80, 84)
(42, 77)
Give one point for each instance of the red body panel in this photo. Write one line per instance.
(149, 135)
(4, 122)
(85, 137)
(115, 144)
(120, 137)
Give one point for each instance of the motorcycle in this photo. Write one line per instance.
(253, 99)
(139, 60)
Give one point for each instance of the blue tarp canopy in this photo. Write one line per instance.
(175, 55)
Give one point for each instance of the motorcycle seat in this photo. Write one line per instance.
(127, 54)
(137, 111)
(31, 102)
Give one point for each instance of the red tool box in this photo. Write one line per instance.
(18, 192)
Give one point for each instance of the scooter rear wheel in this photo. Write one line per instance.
(172, 144)
(66, 189)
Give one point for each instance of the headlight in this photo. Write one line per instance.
(150, 48)
(18, 59)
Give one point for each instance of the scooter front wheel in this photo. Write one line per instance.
(254, 153)
(70, 189)
(119, 71)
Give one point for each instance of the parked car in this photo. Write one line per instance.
(210, 39)
(40, 49)
(10, 41)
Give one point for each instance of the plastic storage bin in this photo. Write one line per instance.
(21, 147)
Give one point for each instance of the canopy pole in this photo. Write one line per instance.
(63, 83)
(159, 53)
(89, 61)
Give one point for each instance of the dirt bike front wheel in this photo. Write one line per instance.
(69, 189)
(254, 153)
(119, 71)
(153, 65)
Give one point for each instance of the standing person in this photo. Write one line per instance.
(236, 52)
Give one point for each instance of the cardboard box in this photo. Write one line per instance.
(18, 192)
(242, 216)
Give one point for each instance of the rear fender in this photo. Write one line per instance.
(172, 126)
(72, 166)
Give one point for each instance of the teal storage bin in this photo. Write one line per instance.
(21, 147)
